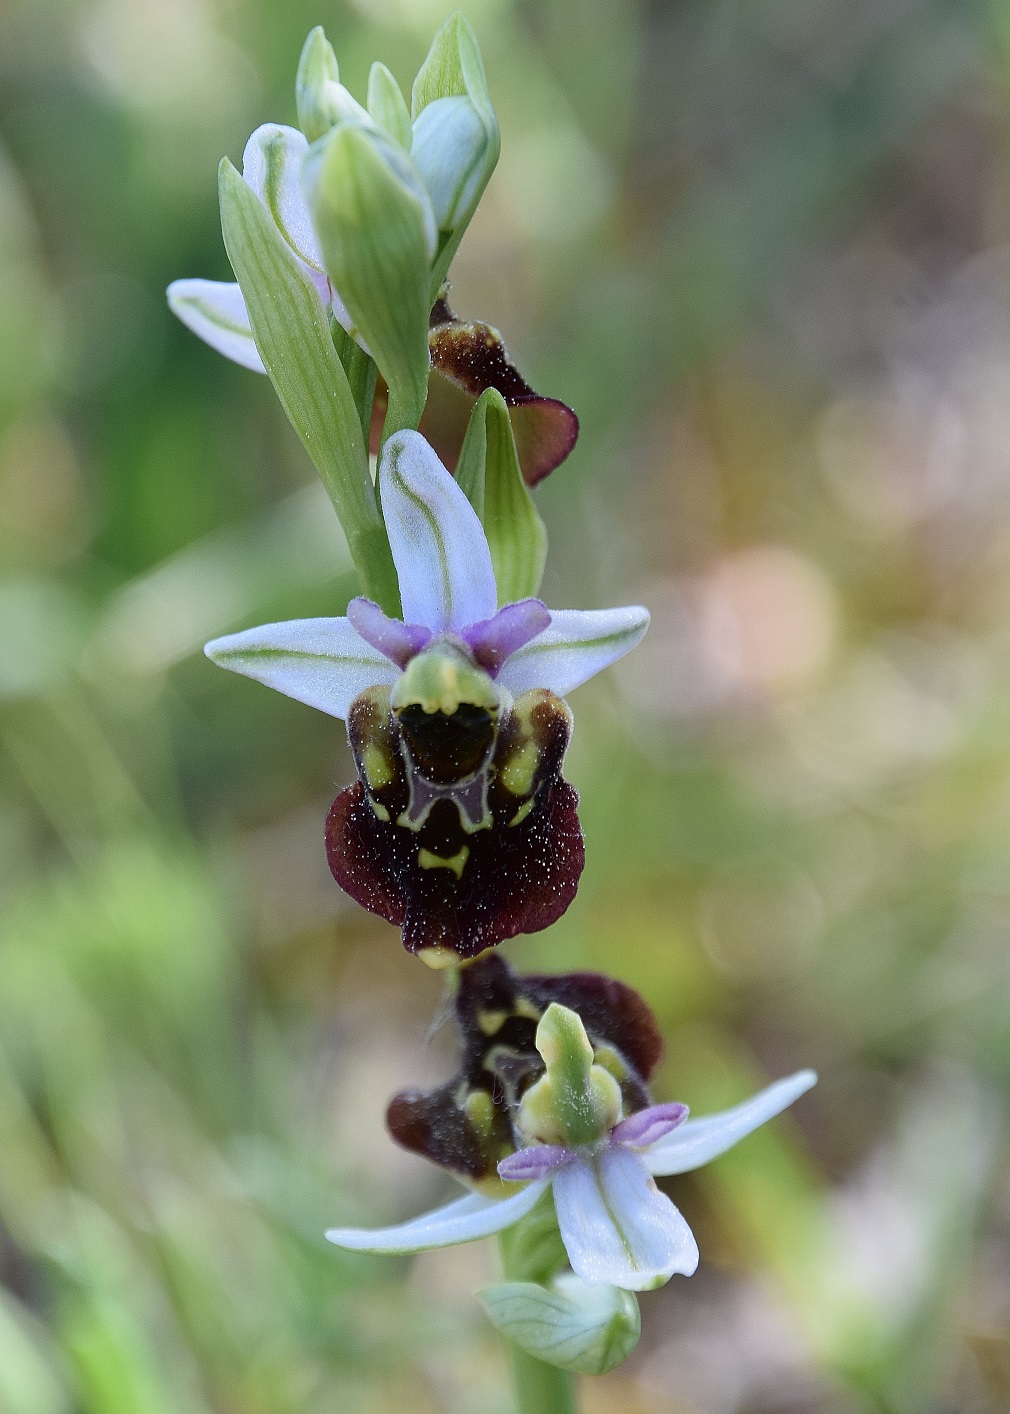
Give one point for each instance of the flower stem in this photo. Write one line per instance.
(540, 1388)
(526, 1256)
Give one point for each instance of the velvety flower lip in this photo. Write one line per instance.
(215, 310)
(616, 1225)
(466, 1125)
(447, 585)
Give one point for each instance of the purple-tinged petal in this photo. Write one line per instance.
(463, 1220)
(578, 644)
(495, 639)
(616, 1225)
(272, 166)
(646, 1126)
(538, 1161)
(321, 662)
(216, 312)
(438, 543)
(700, 1140)
(397, 641)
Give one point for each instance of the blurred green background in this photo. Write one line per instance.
(763, 248)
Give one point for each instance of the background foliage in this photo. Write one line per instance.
(762, 247)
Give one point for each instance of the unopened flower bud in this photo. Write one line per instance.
(321, 98)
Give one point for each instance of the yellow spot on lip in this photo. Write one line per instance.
(428, 860)
(491, 1022)
(518, 771)
(377, 767)
(480, 1111)
(522, 812)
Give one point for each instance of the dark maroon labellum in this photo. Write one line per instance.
(460, 830)
(466, 359)
(465, 1125)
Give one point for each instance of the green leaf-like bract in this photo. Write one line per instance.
(587, 1329)
(292, 333)
(489, 473)
(454, 69)
(374, 231)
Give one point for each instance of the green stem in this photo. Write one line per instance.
(540, 1388)
(526, 1256)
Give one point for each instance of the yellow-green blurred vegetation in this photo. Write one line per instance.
(763, 248)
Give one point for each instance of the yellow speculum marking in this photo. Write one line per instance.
(428, 860)
(516, 775)
(491, 1022)
(377, 766)
(525, 1008)
(480, 1111)
(522, 812)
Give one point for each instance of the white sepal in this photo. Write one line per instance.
(463, 1220)
(272, 166)
(216, 312)
(699, 1140)
(439, 546)
(321, 662)
(579, 644)
(616, 1225)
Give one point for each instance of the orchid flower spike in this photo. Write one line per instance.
(460, 828)
(618, 1229)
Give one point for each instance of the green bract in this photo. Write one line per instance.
(577, 1326)
(488, 470)
(293, 337)
(377, 234)
(387, 105)
(456, 139)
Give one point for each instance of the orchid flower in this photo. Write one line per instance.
(460, 828)
(616, 1226)
(216, 311)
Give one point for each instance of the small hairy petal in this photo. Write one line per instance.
(645, 1127)
(700, 1140)
(463, 1220)
(398, 642)
(616, 1225)
(216, 312)
(578, 644)
(510, 629)
(438, 543)
(537, 1161)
